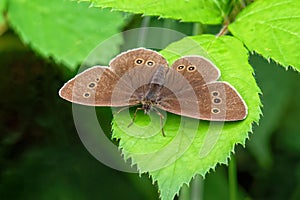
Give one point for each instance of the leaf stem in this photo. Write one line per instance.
(232, 179)
(224, 29)
(242, 3)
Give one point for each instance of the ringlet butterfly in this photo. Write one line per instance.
(142, 76)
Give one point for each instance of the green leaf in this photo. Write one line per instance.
(2, 18)
(204, 11)
(191, 146)
(2, 9)
(271, 28)
(66, 31)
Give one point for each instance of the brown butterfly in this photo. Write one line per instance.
(142, 76)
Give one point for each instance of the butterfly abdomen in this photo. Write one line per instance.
(153, 92)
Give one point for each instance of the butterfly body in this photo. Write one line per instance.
(190, 87)
(152, 95)
(150, 99)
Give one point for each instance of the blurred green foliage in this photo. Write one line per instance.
(63, 30)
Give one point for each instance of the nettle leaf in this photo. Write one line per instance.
(271, 28)
(191, 146)
(204, 11)
(64, 30)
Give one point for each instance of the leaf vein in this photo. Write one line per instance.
(273, 27)
(278, 46)
(264, 9)
(283, 18)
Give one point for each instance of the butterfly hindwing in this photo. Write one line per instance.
(225, 103)
(178, 96)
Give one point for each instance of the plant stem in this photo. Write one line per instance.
(224, 29)
(232, 179)
(195, 190)
(143, 32)
(243, 4)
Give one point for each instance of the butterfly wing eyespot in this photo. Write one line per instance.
(86, 95)
(215, 93)
(92, 85)
(191, 68)
(217, 101)
(215, 110)
(180, 67)
(139, 61)
(150, 63)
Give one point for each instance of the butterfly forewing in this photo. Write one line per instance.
(94, 87)
(204, 70)
(136, 57)
(112, 86)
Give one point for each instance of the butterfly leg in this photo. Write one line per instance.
(134, 115)
(120, 110)
(161, 121)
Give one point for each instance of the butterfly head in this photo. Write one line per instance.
(146, 106)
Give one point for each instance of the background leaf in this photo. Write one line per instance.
(204, 11)
(191, 148)
(64, 30)
(278, 86)
(271, 28)
(2, 9)
(3, 25)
